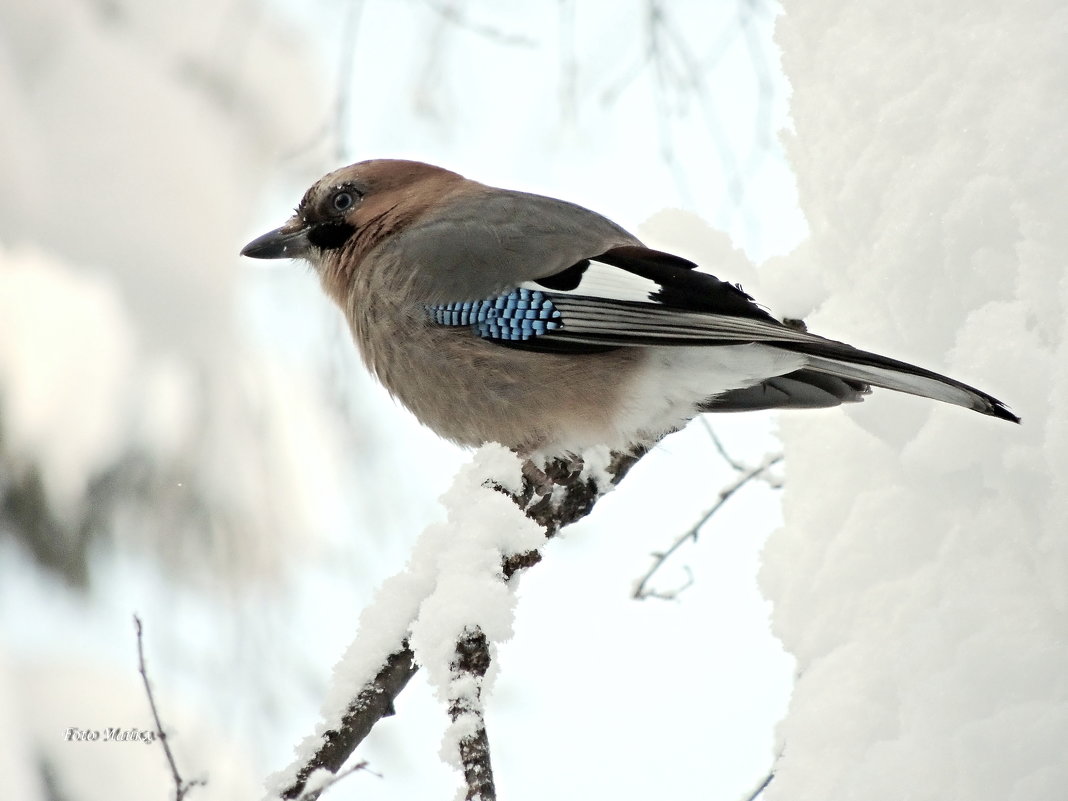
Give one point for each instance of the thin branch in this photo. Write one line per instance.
(771, 479)
(181, 788)
(311, 795)
(725, 495)
(672, 594)
(452, 14)
(680, 77)
(568, 495)
(691, 75)
(718, 443)
(760, 788)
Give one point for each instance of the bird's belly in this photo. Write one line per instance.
(472, 391)
(664, 395)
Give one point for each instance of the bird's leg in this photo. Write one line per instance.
(566, 468)
(537, 478)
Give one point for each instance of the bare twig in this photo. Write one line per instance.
(760, 788)
(450, 12)
(181, 787)
(718, 443)
(680, 80)
(571, 498)
(311, 795)
(725, 495)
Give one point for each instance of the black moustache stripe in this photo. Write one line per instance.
(330, 236)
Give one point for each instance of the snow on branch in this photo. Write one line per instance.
(468, 739)
(450, 607)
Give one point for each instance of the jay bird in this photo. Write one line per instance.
(502, 316)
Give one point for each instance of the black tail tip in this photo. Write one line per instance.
(1001, 411)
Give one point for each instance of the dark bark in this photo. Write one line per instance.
(374, 702)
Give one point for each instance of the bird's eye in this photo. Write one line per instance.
(342, 201)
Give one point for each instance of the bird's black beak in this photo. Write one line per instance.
(288, 242)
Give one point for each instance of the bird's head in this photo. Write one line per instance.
(358, 204)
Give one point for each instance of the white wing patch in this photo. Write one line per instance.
(605, 281)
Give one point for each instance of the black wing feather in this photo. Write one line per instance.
(682, 285)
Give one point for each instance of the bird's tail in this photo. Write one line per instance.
(837, 373)
(801, 389)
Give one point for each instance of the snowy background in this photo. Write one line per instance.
(925, 596)
(191, 437)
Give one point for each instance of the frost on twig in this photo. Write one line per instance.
(439, 603)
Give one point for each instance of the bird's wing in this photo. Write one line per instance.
(626, 296)
(487, 242)
(630, 296)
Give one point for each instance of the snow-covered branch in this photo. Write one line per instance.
(451, 605)
(471, 744)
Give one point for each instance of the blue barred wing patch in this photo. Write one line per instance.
(520, 315)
